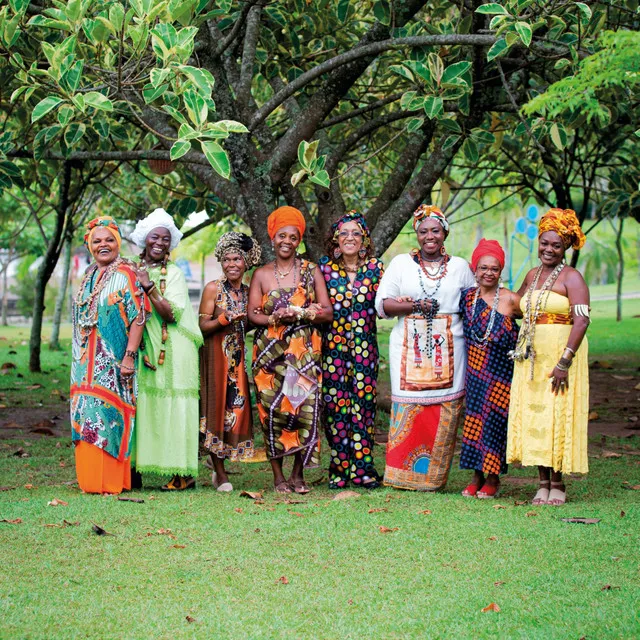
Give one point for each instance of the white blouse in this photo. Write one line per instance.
(402, 278)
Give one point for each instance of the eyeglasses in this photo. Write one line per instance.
(354, 234)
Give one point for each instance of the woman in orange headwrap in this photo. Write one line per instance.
(550, 392)
(108, 321)
(490, 332)
(287, 299)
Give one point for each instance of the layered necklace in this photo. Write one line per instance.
(162, 285)
(524, 348)
(481, 341)
(235, 302)
(437, 275)
(278, 274)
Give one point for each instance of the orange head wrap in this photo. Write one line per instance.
(102, 221)
(487, 248)
(565, 223)
(284, 217)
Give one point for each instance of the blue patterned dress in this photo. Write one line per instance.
(488, 386)
(350, 371)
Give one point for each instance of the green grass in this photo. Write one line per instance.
(429, 579)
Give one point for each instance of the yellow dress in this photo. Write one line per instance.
(545, 429)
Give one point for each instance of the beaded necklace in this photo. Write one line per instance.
(283, 275)
(524, 349)
(235, 304)
(482, 341)
(162, 285)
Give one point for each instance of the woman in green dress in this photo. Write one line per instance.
(166, 438)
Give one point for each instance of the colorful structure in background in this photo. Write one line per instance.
(525, 234)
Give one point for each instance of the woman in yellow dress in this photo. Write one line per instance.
(549, 408)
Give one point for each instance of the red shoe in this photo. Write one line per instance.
(471, 490)
(488, 491)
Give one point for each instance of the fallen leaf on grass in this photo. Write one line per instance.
(610, 454)
(499, 506)
(295, 513)
(622, 514)
(631, 487)
(426, 512)
(519, 503)
(282, 580)
(499, 583)
(531, 514)
(581, 520)
(493, 538)
(254, 495)
(492, 606)
(238, 510)
(346, 495)
(57, 503)
(166, 532)
(378, 510)
(289, 501)
(388, 530)
(20, 453)
(594, 415)
(66, 523)
(608, 587)
(256, 530)
(29, 486)
(99, 531)
(33, 387)
(190, 619)
(7, 488)
(178, 546)
(349, 601)
(137, 500)
(637, 387)
(14, 521)
(8, 365)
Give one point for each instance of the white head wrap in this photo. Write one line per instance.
(157, 218)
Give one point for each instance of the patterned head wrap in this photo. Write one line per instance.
(487, 248)
(565, 223)
(235, 242)
(358, 218)
(425, 211)
(157, 218)
(102, 221)
(284, 217)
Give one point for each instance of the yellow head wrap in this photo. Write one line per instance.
(565, 223)
(102, 221)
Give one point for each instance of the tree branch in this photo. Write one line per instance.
(358, 112)
(248, 56)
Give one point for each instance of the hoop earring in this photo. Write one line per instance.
(362, 253)
(443, 251)
(337, 253)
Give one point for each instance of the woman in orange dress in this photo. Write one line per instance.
(108, 320)
(287, 300)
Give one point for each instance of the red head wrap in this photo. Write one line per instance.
(284, 217)
(487, 248)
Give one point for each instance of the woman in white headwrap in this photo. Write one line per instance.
(166, 437)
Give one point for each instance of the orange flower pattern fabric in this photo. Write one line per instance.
(488, 384)
(287, 372)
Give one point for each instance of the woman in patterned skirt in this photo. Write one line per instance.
(427, 355)
(287, 298)
(225, 400)
(487, 313)
(350, 352)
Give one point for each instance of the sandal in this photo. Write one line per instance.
(370, 484)
(557, 497)
(488, 491)
(300, 487)
(471, 490)
(179, 483)
(225, 487)
(542, 495)
(283, 487)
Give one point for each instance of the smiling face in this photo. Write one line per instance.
(233, 266)
(430, 236)
(104, 246)
(550, 249)
(350, 238)
(286, 241)
(157, 244)
(488, 271)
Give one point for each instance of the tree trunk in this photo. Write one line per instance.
(45, 270)
(5, 287)
(54, 342)
(620, 273)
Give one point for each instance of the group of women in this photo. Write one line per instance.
(455, 354)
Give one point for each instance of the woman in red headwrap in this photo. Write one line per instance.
(287, 299)
(490, 332)
(549, 409)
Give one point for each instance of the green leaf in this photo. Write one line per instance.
(497, 49)
(187, 132)
(436, 67)
(401, 70)
(217, 157)
(231, 126)
(151, 93)
(19, 6)
(558, 136)
(197, 109)
(158, 76)
(470, 150)
(65, 114)
(116, 16)
(73, 76)
(44, 106)
(41, 21)
(17, 93)
(492, 8)
(306, 152)
(180, 148)
(455, 71)
(321, 178)
(174, 113)
(201, 79)
(585, 12)
(450, 142)
(98, 101)
(298, 176)
(342, 11)
(450, 125)
(414, 124)
(382, 12)
(525, 32)
(102, 127)
(74, 133)
(562, 63)
(483, 137)
(78, 101)
(433, 106)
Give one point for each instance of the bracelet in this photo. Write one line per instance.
(567, 348)
(563, 364)
(130, 353)
(148, 290)
(223, 320)
(272, 320)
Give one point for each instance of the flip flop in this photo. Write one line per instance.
(283, 487)
(542, 495)
(300, 487)
(178, 483)
(488, 491)
(225, 487)
(471, 490)
(557, 497)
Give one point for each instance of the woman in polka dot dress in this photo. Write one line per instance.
(350, 352)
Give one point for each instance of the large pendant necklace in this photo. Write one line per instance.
(481, 341)
(278, 274)
(524, 348)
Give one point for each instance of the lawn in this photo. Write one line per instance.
(203, 565)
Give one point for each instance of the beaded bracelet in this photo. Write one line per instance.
(130, 353)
